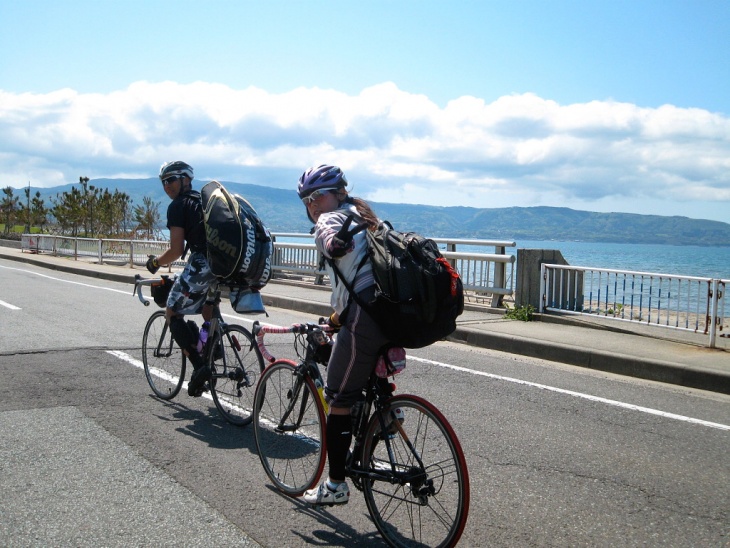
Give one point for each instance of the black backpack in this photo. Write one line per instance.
(418, 294)
(239, 245)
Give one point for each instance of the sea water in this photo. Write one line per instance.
(678, 260)
(681, 260)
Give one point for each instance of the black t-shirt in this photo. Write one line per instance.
(186, 211)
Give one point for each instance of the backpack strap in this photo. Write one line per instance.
(341, 276)
(347, 285)
(195, 196)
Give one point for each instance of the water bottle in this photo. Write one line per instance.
(320, 390)
(203, 336)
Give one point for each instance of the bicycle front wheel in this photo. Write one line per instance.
(422, 498)
(164, 362)
(236, 365)
(289, 427)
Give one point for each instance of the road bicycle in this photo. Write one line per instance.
(230, 352)
(406, 458)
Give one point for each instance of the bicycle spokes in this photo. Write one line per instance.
(415, 480)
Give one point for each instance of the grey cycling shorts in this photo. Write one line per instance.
(354, 354)
(190, 290)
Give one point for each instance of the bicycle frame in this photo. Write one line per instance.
(232, 372)
(375, 396)
(374, 405)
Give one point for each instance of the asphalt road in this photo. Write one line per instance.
(557, 455)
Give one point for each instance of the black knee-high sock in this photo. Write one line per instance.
(186, 339)
(339, 437)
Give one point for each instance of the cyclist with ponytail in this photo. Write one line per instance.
(339, 220)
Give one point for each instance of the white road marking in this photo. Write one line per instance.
(614, 403)
(238, 318)
(598, 399)
(67, 281)
(137, 363)
(8, 305)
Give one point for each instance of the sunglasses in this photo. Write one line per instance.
(316, 194)
(170, 180)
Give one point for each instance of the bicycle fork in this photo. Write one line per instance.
(293, 395)
(158, 353)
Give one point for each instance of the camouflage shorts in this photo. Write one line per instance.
(191, 287)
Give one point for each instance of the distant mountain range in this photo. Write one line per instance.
(282, 211)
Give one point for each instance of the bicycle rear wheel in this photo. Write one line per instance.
(428, 502)
(289, 427)
(164, 362)
(236, 365)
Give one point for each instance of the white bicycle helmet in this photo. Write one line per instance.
(175, 168)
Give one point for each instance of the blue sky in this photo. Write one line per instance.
(595, 105)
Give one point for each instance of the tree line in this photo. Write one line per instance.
(85, 211)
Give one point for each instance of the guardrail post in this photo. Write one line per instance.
(714, 316)
(131, 253)
(543, 285)
(99, 248)
(500, 275)
(319, 278)
(452, 247)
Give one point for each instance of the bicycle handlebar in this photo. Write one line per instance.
(259, 330)
(139, 282)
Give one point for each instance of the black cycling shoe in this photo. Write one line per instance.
(200, 376)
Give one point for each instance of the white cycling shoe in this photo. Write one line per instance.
(324, 496)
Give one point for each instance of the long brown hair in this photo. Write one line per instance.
(363, 208)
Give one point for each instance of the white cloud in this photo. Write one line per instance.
(518, 150)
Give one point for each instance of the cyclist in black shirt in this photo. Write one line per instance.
(190, 292)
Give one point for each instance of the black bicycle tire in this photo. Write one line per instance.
(272, 446)
(450, 478)
(164, 388)
(226, 401)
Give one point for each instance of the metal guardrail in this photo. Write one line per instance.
(484, 275)
(102, 250)
(487, 276)
(684, 303)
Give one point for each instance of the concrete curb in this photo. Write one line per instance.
(308, 307)
(610, 362)
(80, 270)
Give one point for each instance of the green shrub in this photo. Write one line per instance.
(522, 313)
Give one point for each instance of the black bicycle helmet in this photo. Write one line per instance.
(176, 168)
(316, 178)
